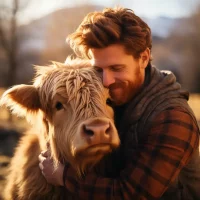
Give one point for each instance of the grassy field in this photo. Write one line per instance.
(21, 125)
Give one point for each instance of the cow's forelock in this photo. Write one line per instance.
(86, 94)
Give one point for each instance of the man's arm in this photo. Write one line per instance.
(158, 161)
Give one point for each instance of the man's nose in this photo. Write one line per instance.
(108, 79)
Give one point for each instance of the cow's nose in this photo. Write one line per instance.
(97, 131)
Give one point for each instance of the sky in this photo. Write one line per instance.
(143, 8)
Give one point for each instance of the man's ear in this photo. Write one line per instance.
(21, 99)
(144, 58)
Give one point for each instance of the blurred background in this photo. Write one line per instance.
(33, 32)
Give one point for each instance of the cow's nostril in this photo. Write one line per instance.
(108, 130)
(88, 131)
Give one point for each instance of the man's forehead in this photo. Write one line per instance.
(102, 63)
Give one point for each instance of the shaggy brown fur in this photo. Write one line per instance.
(68, 104)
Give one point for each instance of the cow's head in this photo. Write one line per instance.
(72, 103)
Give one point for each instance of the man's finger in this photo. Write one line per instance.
(45, 153)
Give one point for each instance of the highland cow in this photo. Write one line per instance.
(69, 105)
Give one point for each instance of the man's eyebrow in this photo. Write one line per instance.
(117, 65)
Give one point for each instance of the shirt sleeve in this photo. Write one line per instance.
(168, 147)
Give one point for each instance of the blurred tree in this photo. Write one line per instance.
(9, 11)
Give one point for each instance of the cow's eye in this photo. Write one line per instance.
(109, 102)
(59, 106)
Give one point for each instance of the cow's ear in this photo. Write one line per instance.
(21, 99)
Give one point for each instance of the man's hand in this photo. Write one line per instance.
(53, 176)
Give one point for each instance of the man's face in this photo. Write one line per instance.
(120, 72)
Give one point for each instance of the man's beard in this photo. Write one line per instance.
(126, 92)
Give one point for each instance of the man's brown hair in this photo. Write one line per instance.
(111, 26)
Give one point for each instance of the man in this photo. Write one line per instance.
(158, 157)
